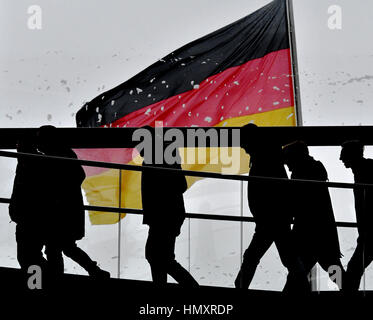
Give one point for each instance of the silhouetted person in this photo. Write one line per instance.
(65, 223)
(268, 205)
(352, 155)
(314, 231)
(25, 209)
(164, 213)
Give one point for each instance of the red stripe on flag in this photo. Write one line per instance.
(257, 86)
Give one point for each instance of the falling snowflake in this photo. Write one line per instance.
(196, 86)
(289, 116)
(148, 111)
(276, 103)
(236, 83)
(138, 90)
(208, 119)
(112, 102)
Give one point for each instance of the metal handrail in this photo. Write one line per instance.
(186, 173)
(204, 216)
(191, 173)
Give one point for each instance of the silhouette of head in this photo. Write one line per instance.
(249, 138)
(352, 152)
(45, 137)
(294, 154)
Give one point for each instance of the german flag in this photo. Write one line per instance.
(238, 74)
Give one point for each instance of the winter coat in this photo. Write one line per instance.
(66, 218)
(268, 201)
(27, 206)
(162, 198)
(363, 173)
(314, 222)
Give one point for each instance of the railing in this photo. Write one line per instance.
(186, 173)
(119, 166)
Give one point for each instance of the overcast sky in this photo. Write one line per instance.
(88, 46)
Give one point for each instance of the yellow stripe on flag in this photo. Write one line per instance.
(103, 189)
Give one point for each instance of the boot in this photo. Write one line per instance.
(98, 273)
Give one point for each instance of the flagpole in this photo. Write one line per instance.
(294, 63)
(313, 276)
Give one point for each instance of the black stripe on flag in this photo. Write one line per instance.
(251, 37)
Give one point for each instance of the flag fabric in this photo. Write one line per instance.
(238, 74)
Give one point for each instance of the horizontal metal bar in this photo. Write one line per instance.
(122, 137)
(203, 216)
(191, 173)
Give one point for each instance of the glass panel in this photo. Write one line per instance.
(214, 245)
(367, 281)
(133, 239)
(344, 211)
(347, 240)
(8, 247)
(101, 240)
(182, 247)
(101, 244)
(270, 273)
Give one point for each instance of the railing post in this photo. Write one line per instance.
(119, 221)
(364, 215)
(241, 222)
